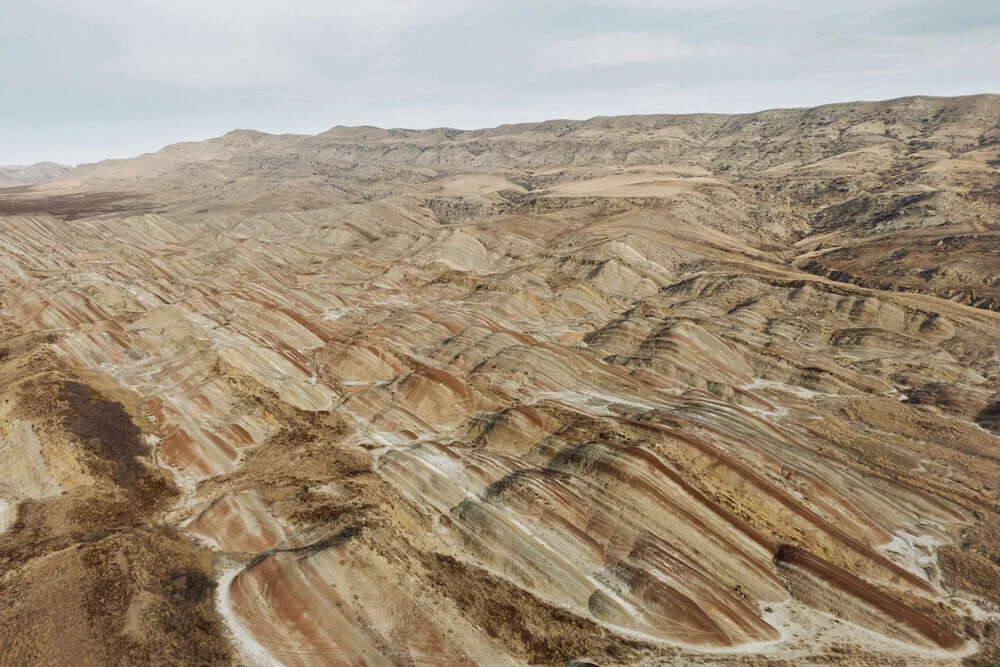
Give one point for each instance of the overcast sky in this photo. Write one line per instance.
(83, 80)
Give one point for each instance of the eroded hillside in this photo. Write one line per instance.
(662, 390)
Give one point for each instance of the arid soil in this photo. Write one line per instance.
(693, 390)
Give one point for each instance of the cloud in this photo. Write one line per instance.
(258, 15)
(200, 64)
(619, 48)
(119, 77)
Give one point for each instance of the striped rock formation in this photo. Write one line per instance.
(643, 390)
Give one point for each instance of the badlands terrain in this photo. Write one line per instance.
(692, 390)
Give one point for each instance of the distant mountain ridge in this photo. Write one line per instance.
(40, 172)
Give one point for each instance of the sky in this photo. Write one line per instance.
(85, 80)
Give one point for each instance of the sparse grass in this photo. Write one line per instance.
(106, 429)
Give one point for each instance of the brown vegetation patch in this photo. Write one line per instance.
(534, 630)
(189, 584)
(106, 429)
(117, 600)
(70, 207)
(989, 417)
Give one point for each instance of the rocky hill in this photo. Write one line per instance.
(640, 390)
(41, 172)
